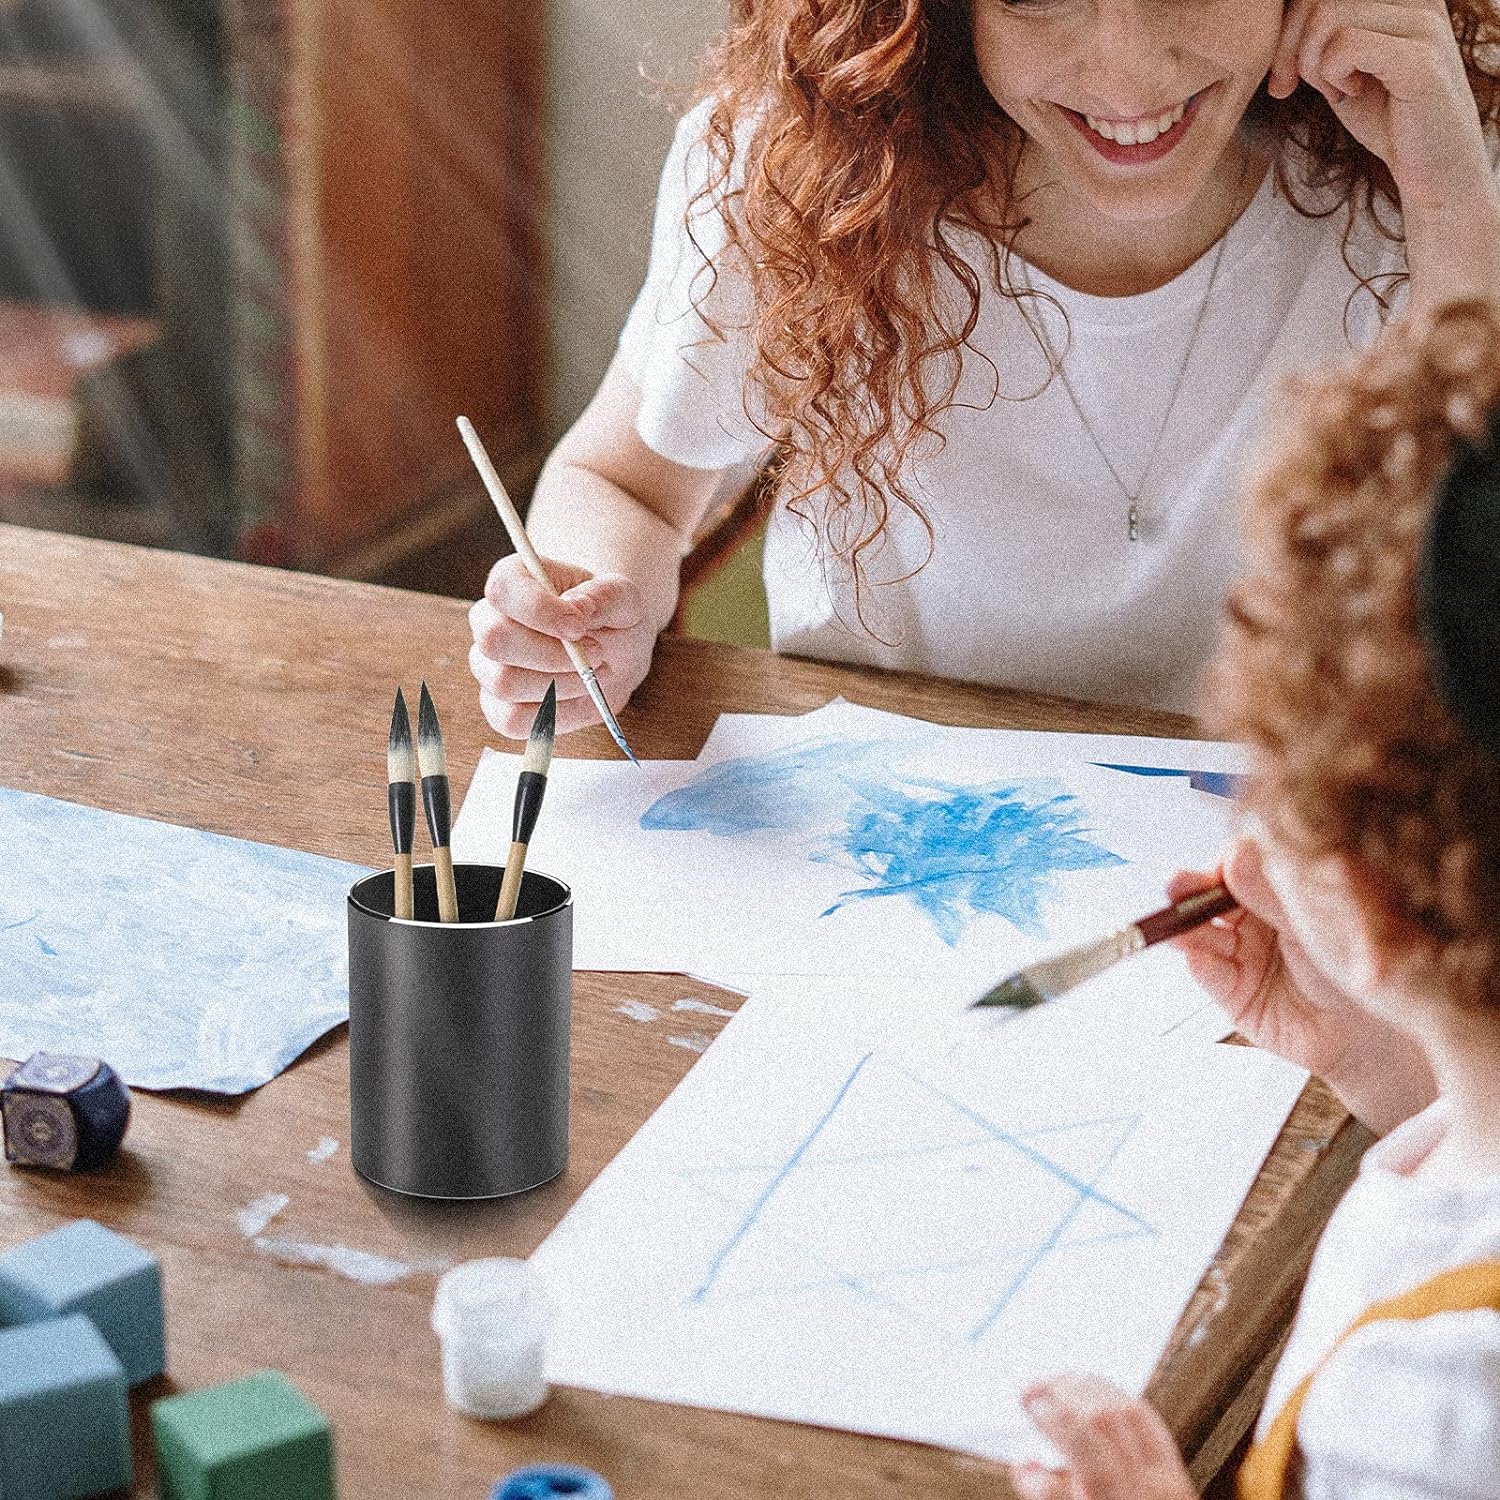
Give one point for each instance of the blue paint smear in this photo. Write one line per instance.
(1217, 783)
(951, 851)
(787, 791)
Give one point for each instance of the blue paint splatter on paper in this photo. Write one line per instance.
(951, 851)
(185, 959)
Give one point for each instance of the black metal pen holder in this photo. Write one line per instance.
(458, 1035)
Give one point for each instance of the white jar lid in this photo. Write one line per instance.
(499, 1298)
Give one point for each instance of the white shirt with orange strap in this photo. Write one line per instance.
(1389, 1388)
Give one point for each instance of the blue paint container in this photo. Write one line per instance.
(545, 1481)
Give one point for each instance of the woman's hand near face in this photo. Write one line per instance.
(1393, 74)
(1251, 962)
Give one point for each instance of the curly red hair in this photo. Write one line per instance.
(1323, 670)
(872, 139)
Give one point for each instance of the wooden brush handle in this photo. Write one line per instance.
(1182, 916)
(515, 529)
(510, 886)
(401, 906)
(447, 892)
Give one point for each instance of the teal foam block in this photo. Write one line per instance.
(64, 1412)
(84, 1267)
(247, 1439)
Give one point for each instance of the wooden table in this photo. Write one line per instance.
(255, 703)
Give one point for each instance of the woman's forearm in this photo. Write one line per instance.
(578, 515)
(1454, 253)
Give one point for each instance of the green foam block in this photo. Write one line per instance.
(243, 1440)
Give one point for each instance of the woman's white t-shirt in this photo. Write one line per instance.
(1033, 581)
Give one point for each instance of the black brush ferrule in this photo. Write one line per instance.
(401, 798)
(530, 786)
(435, 803)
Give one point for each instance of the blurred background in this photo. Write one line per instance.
(255, 255)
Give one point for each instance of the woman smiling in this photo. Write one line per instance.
(1005, 286)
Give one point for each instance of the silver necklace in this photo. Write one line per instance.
(1132, 497)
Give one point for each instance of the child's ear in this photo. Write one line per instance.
(1384, 946)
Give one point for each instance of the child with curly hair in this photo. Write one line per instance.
(1005, 286)
(1362, 666)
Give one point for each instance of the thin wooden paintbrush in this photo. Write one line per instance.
(433, 760)
(1043, 981)
(401, 799)
(531, 785)
(511, 519)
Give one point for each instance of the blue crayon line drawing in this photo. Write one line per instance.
(897, 1224)
(952, 851)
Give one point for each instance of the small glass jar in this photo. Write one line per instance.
(492, 1318)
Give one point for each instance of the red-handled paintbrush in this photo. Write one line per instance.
(1050, 977)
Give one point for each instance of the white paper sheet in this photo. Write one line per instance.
(737, 734)
(1151, 997)
(837, 1220)
(910, 849)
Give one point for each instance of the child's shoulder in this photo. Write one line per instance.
(1412, 1402)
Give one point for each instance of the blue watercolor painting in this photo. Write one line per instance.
(944, 1226)
(952, 851)
(185, 959)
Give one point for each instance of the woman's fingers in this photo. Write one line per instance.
(1033, 1482)
(522, 685)
(513, 720)
(1309, 24)
(1283, 76)
(513, 592)
(522, 639)
(504, 639)
(1406, 67)
(561, 575)
(608, 603)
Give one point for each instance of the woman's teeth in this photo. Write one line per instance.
(1136, 132)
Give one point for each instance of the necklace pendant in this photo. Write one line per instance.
(1133, 524)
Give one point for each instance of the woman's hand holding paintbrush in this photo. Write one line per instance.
(519, 630)
(579, 656)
